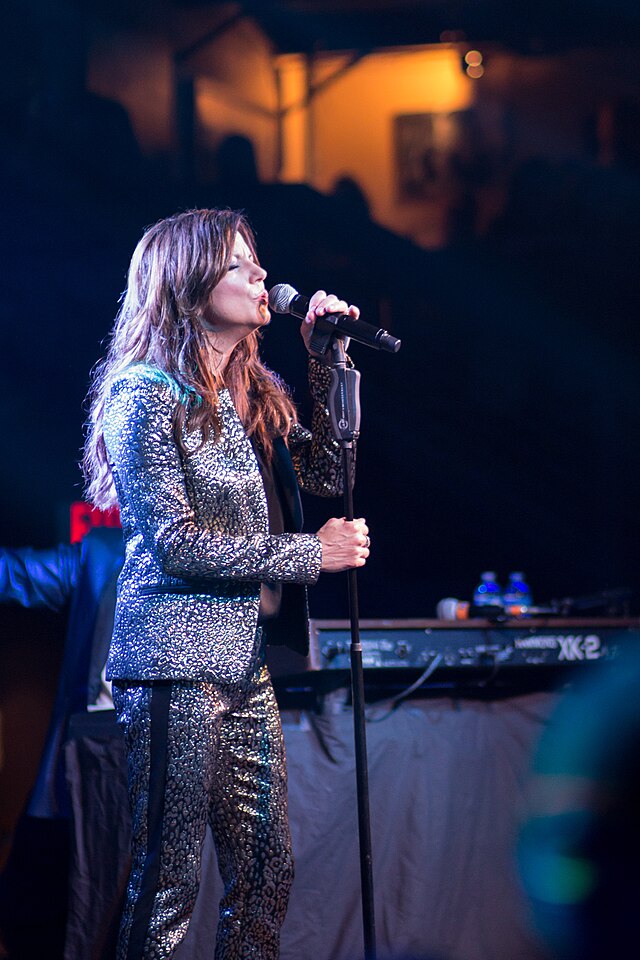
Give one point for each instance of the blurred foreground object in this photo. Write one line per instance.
(580, 846)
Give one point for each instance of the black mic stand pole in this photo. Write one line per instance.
(344, 407)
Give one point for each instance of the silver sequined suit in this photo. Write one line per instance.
(192, 694)
(196, 530)
(222, 764)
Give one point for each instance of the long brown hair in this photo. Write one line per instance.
(173, 271)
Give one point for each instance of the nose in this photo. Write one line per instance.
(259, 272)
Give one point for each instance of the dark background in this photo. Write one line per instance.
(504, 434)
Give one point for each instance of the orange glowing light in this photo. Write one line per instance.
(473, 58)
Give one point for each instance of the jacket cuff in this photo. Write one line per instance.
(315, 557)
(320, 377)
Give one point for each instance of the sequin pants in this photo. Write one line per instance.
(205, 754)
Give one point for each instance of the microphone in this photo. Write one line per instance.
(283, 298)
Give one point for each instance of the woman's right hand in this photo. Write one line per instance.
(345, 544)
(320, 304)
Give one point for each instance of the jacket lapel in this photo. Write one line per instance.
(283, 467)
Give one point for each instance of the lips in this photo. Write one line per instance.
(263, 306)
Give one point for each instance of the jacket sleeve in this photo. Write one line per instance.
(39, 578)
(152, 490)
(316, 454)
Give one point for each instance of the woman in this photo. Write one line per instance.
(197, 441)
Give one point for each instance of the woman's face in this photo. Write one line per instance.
(239, 302)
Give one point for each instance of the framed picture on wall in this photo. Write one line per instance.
(430, 150)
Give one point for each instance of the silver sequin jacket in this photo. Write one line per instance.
(196, 531)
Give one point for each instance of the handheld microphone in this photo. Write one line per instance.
(283, 298)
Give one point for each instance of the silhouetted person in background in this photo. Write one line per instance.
(81, 578)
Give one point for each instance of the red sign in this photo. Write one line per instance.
(84, 517)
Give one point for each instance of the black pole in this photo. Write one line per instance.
(345, 415)
(359, 731)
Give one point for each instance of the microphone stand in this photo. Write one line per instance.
(344, 407)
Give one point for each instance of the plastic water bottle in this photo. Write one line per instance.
(488, 592)
(517, 596)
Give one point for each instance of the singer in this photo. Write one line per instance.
(199, 444)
